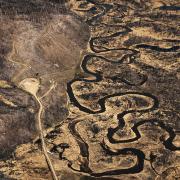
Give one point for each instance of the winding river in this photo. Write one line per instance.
(103, 9)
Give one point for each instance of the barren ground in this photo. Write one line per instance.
(102, 76)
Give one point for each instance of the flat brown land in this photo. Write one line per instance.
(102, 78)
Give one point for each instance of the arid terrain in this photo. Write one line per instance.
(89, 89)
